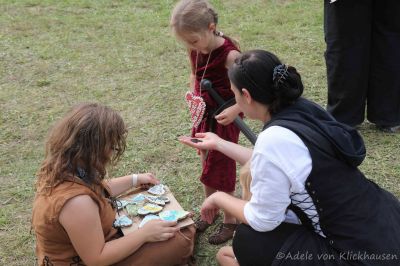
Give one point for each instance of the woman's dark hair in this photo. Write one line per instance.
(267, 79)
(87, 138)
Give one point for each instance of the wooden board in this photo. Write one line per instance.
(172, 205)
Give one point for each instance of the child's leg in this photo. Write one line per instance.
(226, 257)
(225, 231)
(208, 191)
(201, 225)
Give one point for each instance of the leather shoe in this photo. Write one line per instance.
(223, 234)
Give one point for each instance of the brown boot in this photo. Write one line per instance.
(224, 233)
(201, 225)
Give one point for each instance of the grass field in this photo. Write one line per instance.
(54, 54)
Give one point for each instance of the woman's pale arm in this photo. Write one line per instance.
(121, 184)
(80, 219)
(226, 202)
(235, 151)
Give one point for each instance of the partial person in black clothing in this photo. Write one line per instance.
(363, 61)
(304, 162)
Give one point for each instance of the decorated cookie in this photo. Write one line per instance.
(148, 218)
(164, 198)
(155, 200)
(173, 215)
(121, 204)
(139, 198)
(149, 208)
(197, 108)
(132, 210)
(157, 190)
(122, 221)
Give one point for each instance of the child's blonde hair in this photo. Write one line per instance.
(245, 180)
(195, 17)
(192, 16)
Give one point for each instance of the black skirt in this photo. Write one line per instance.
(295, 245)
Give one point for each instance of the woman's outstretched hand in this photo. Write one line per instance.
(202, 141)
(209, 210)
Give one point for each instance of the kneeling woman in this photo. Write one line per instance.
(306, 162)
(74, 210)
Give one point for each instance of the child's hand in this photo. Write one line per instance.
(147, 179)
(159, 230)
(209, 210)
(228, 115)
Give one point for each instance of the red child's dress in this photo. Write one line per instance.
(219, 171)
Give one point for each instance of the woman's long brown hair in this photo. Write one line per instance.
(88, 137)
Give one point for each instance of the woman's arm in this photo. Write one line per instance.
(80, 219)
(226, 202)
(121, 184)
(210, 141)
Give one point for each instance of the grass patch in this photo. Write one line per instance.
(120, 53)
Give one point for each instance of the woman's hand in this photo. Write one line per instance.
(228, 115)
(158, 230)
(210, 141)
(209, 209)
(202, 141)
(121, 184)
(147, 179)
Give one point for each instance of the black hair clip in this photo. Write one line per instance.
(280, 73)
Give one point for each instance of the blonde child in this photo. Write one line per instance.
(225, 255)
(210, 53)
(245, 180)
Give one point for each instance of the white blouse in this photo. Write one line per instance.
(280, 165)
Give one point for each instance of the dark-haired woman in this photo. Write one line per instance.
(306, 162)
(74, 207)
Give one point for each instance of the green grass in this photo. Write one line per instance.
(54, 54)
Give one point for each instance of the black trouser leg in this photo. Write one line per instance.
(347, 27)
(383, 100)
(260, 248)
